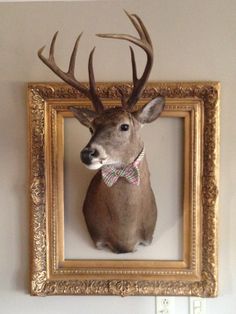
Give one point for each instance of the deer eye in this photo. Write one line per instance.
(91, 130)
(124, 127)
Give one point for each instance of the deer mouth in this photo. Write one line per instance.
(96, 163)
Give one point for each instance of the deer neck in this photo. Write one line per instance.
(131, 154)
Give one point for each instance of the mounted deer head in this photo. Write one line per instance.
(119, 207)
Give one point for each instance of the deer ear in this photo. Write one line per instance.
(151, 111)
(85, 116)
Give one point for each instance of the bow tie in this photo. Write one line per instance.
(111, 174)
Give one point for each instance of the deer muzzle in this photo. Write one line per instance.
(88, 154)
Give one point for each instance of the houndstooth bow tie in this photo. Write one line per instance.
(111, 174)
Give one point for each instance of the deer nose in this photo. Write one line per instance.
(87, 155)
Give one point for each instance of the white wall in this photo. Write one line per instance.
(194, 40)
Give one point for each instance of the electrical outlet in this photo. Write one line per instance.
(197, 305)
(165, 305)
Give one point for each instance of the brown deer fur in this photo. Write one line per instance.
(124, 215)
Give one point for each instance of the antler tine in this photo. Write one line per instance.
(133, 19)
(127, 37)
(143, 42)
(144, 30)
(69, 76)
(97, 102)
(71, 69)
(52, 46)
(135, 78)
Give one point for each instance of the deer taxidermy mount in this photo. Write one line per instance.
(119, 207)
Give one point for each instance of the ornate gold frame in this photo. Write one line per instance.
(196, 273)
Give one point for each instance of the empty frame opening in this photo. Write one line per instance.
(164, 146)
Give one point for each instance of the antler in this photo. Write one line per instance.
(143, 42)
(69, 76)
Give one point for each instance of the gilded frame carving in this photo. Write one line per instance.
(196, 273)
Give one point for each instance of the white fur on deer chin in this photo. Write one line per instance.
(94, 166)
(99, 163)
